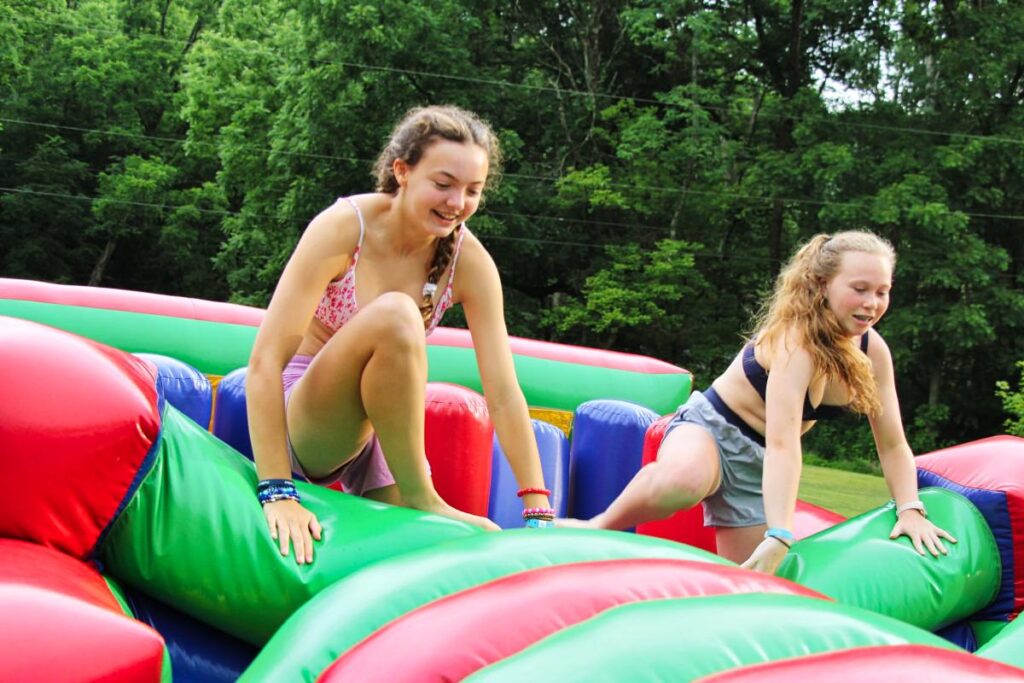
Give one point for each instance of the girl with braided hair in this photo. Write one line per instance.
(336, 381)
(813, 355)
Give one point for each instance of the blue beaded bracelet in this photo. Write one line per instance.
(267, 483)
(783, 536)
(273, 490)
(535, 523)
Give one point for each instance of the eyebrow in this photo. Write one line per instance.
(456, 179)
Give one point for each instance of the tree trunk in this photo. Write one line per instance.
(101, 264)
(934, 382)
(775, 237)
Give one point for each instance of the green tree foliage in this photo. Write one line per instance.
(91, 145)
(1013, 402)
(663, 158)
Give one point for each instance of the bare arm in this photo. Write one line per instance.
(319, 256)
(894, 452)
(480, 293)
(896, 457)
(790, 375)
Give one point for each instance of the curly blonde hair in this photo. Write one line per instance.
(418, 129)
(798, 304)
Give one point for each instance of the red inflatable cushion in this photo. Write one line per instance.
(46, 636)
(33, 565)
(881, 663)
(451, 638)
(76, 421)
(459, 440)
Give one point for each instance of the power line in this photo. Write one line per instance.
(530, 87)
(177, 141)
(237, 214)
(507, 214)
(702, 255)
(739, 196)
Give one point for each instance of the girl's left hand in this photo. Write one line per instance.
(767, 556)
(922, 533)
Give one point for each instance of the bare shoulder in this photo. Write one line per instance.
(879, 353)
(876, 345)
(325, 247)
(474, 259)
(336, 226)
(476, 279)
(785, 350)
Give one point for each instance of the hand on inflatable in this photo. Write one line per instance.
(767, 556)
(290, 523)
(922, 533)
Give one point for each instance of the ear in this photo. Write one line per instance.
(401, 170)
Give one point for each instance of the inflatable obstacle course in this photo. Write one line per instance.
(125, 482)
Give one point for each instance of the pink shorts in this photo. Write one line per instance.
(366, 472)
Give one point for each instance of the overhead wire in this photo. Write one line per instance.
(701, 254)
(740, 196)
(528, 86)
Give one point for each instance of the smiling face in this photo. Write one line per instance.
(445, 187)
(858, 294)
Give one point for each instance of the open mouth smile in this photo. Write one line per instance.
(447, 216)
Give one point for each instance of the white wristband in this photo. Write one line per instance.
(912, 505)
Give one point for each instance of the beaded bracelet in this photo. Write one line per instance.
(538, 512)
(276, 485)
(531, 489)
(783, 536)
(912, 505)
(535, 523)
(273, 490)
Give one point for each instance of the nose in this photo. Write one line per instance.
(457, 200)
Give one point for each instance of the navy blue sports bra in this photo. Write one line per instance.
(759, 380)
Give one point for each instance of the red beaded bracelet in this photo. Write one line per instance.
(540, 492)
(546, 513)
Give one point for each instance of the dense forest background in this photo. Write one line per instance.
(663, 158)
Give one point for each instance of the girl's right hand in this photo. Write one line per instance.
(290, 523)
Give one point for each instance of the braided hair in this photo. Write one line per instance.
(798, 302)
(417, 130)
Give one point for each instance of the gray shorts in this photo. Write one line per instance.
(738, 501)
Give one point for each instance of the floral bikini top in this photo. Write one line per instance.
(338, 304)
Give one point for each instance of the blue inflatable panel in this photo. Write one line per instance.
(183, 386)
(960, 633)
(996, 511)
(230, 422)
(199, 653)
(506, 510)
(606, 451)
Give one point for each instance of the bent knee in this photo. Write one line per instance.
(395, 317)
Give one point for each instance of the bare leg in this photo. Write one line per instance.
(385, 494)
(737, 543)
(371, 376)
(686, 472)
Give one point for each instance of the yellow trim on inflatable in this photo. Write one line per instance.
(560, 418)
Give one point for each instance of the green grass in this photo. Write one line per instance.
(848, 493)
